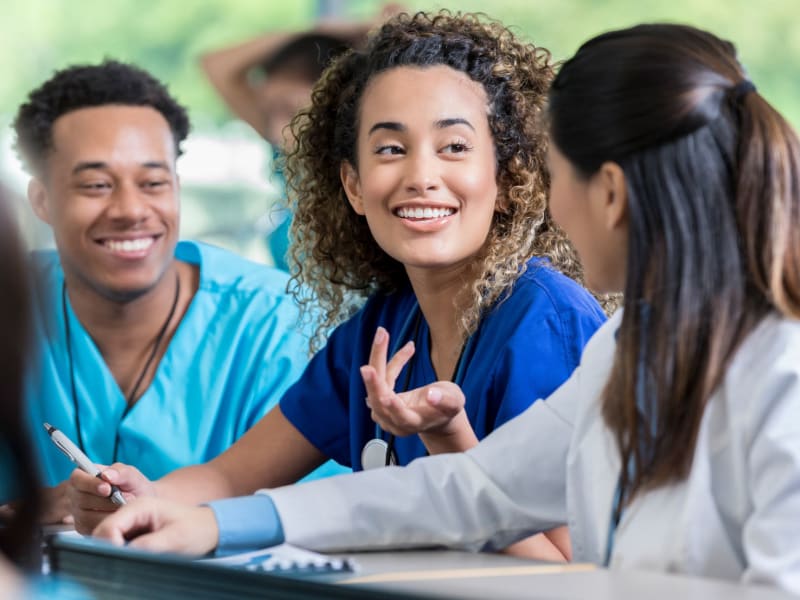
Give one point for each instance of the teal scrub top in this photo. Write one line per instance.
(236, 350)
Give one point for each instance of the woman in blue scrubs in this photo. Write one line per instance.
(422, 235)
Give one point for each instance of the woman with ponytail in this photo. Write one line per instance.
(679, 185)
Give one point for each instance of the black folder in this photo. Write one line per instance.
(109, 571)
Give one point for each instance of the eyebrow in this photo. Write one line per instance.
(440, 124)
(390, 125)
(100, 165)
(444, 123)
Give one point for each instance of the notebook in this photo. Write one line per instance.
(285, 559)
(284, 572)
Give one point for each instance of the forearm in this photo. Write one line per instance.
(234, 62)
(228, 71)
(272, 453)
(470, 500)
(194, 485)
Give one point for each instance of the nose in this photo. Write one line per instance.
(422, 173)
(127, 203)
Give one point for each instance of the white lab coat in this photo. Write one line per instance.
(737, 516)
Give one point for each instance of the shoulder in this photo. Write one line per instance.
(554, 290)
(224, 271)
(761, 386)
(545, 302)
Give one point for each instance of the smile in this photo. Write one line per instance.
(129, 248)
(417, 213)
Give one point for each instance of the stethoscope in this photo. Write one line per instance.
(379, 452)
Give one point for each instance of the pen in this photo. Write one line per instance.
(81, 460)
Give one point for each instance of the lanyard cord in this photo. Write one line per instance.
(129, 401)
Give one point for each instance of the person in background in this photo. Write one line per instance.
(266, 80)
(19, 531)
(146, 350)
(675, 445)
(423, 228)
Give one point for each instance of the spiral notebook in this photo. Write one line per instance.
(285, 558)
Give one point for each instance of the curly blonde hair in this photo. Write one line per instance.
(336, 261)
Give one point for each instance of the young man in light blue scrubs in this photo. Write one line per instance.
(148, 351)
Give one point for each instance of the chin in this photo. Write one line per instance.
(125, 293)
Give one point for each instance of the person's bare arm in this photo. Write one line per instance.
(272, 453)
(227, 69)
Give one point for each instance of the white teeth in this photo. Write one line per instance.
(129, 245)
(424, 213)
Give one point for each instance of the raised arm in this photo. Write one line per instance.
(228, 71)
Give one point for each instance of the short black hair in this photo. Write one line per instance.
(307, 56)
(84, 86)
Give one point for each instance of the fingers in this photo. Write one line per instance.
(377, 390)
(397, 362)
(378, 352)
(388, 372)
(161, 526)
(87, 484)
(132, 519)
(432, 408)
(89, 496)
(446, 397)
(195, 533)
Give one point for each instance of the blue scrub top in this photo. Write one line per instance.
(235, 352)
(523, 349)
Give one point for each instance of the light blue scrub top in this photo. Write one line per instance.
(236, 350)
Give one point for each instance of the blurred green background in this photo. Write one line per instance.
(224, 171)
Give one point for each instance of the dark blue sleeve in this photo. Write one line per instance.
(317, 403)
(544, 350)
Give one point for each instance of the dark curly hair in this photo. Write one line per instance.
(84, 86)
(337, 262)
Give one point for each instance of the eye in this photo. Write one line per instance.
(94, 186)
(457, 147)
(155, 184)
(391, 149)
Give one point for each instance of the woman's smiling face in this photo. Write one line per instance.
(426, 168)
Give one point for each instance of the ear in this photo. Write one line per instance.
(37, 196)
(611, 194)
(352, 187)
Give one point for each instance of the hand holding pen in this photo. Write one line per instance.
(81, 460)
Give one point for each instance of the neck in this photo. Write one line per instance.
(125, 333)
(112, 323)
(442, 296)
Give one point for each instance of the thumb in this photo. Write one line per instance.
(446, 396)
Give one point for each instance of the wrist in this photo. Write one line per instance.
(456, 435)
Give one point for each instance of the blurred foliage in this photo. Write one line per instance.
(166, 36)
